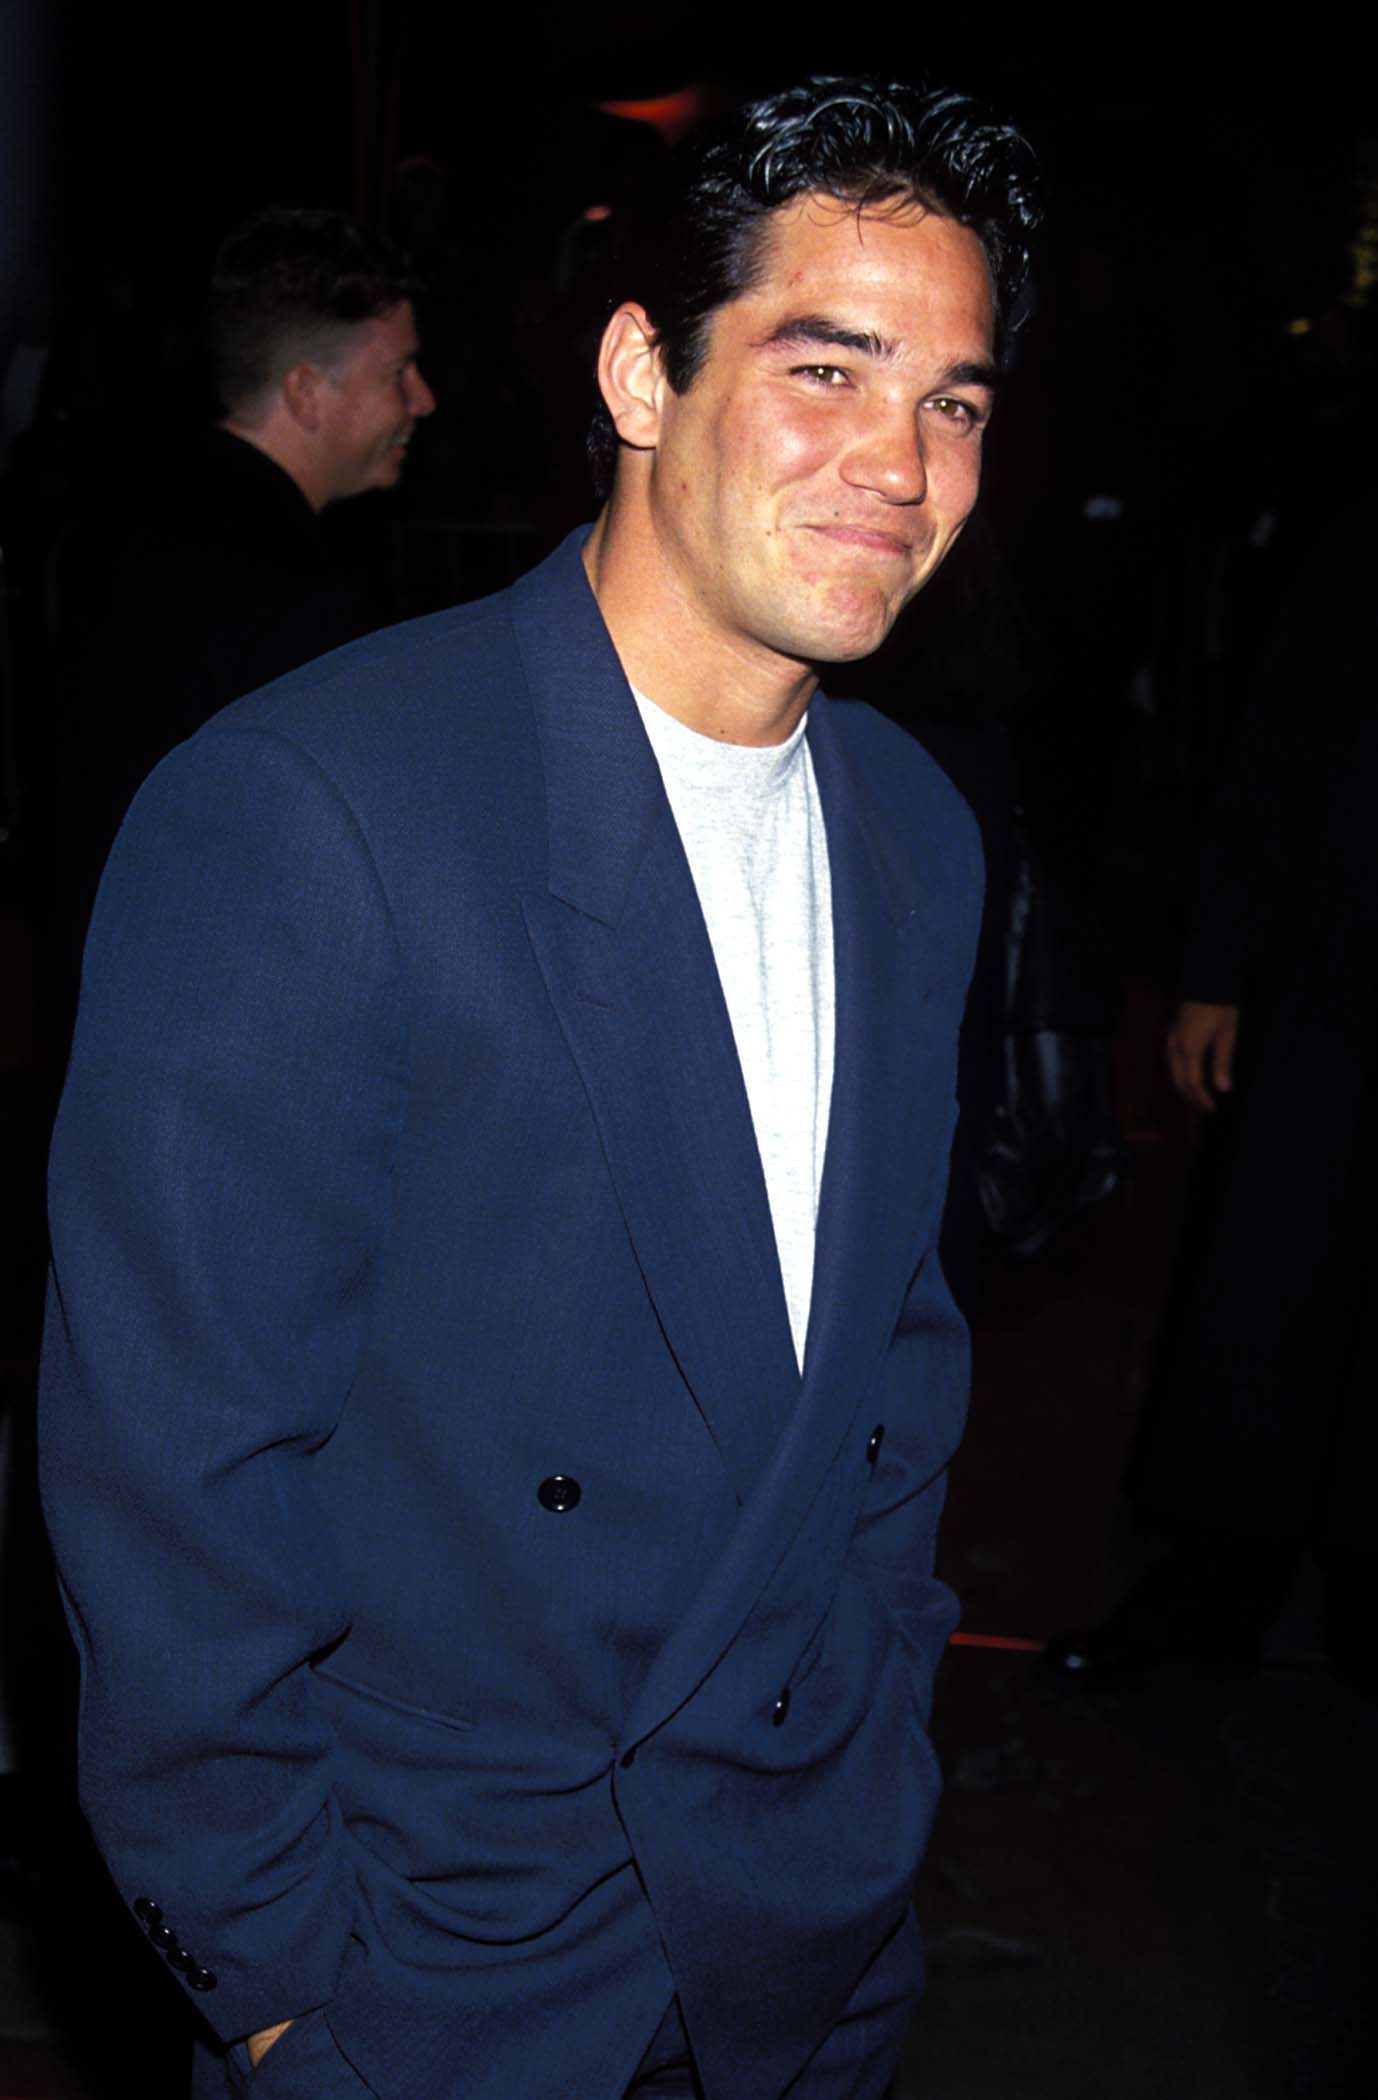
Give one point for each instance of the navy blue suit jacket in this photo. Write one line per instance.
(404, 1167)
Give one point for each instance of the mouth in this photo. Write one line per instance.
(865, 539)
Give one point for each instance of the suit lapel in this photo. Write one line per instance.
(895, 940)
(621, 942)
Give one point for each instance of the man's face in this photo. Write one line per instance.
(823, 461)
(369, 405)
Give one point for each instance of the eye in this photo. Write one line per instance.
(821, 375)
(960, 414)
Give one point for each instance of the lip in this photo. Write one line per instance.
(865, 539)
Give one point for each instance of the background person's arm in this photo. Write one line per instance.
(1200, 1050)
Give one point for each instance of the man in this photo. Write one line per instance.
(313, 343)
(1254, 1449)
(218, 573)
(503, 1575)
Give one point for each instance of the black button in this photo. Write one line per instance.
(162, 1936)
(147, 1911)
(178, 1958)
(200, 1980)
(559, 1493)
(780, 1709)
(877, 1439)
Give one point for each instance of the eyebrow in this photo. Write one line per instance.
(817, 329)
(976, 371)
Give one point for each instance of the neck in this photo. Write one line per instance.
(277, 446)
(727, 688)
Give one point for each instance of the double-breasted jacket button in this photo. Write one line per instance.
(178, 1958)
(162, 1937)
(199, 1979)
(873, 1448)
(147, 1911)
(559, 1493)
(780, 1709)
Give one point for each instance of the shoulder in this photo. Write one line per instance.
(410, 712)
(410, 735)
(457, 673)
(386, 679)
(906, 782)
(222, 492)
(388, 743)
(918, 831)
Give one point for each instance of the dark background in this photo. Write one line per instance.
(1203, 190)
(1189, 363)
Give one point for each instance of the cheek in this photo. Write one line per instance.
(958, 481)
(762, 450)
(378, 416)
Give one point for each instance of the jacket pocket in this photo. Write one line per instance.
(306, 2063)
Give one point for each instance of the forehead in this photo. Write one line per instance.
(385, 339)
(394, 333)
(898, 269)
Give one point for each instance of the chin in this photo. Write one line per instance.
(843, 626)
(847, 641)
(846, 652)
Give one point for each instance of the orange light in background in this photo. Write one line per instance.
(670, 115)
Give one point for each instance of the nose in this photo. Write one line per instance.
(420, 399)
(887, 457)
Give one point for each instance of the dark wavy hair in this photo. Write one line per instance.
(864, 142)
(291, 286)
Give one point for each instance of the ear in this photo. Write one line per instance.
(631, 376)
(301, 395)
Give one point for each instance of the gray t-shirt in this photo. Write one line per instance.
(752, 830)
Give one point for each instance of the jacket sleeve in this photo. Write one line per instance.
(218, 1192)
